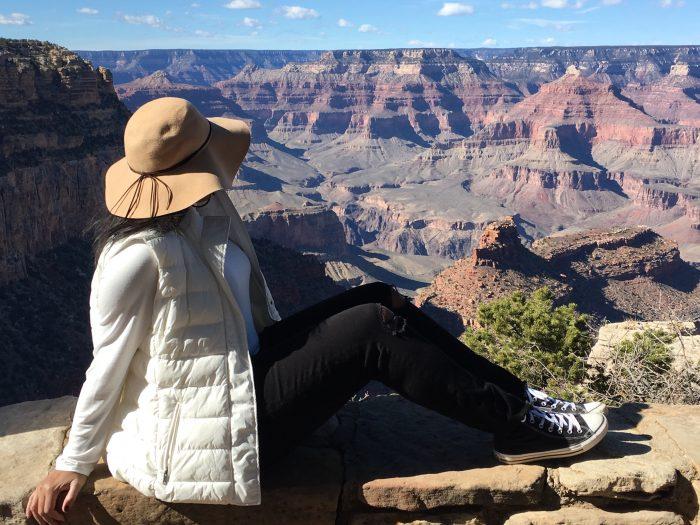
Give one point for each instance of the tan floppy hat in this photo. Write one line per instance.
(174, 157)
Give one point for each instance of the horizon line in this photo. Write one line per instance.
(599, 46)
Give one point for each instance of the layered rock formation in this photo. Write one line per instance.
(190, 66)
(311, 228)
(618, 273)
(534, 66)
(415, 95)
(672, 99)
(208, 100)
(529, 67)
(61, 125)
(575, 110)
(387, 460)
(586, 150)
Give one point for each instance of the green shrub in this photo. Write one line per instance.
(651, 346)
(640, 369)
(544, 345)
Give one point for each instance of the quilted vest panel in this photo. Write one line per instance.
(185, 429)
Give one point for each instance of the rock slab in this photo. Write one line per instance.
(385, 459)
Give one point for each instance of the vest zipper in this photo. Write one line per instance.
(175, 420)
(229, 384)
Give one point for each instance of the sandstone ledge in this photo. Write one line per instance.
(391, 461)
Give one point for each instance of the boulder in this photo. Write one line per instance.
(685, 348)
(31, 437)
(383, 518)
(498, 485)
(593, 516)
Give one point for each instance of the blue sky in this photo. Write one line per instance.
(332, 24)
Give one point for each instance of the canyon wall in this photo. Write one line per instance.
(533, 66)
(61, 126)
(414, 94)
(527, 66)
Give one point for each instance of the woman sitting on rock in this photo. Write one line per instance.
(197, 384)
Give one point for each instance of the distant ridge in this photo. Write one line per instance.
(508, 63)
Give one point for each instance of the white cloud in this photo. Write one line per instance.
(612, 2)
(15, 19)
(296, 12)
(344, 23)
(489, 42)
(87, 11)
(243, 4)
(455, 9)
(149, 20)
(672, 3)
(528, 5)
(559, 25)
(555, 4)
(367, 28)
(203, 34)
(562, 4)
(421, 43)
(195, 5)
(548, 40)
(251, 22)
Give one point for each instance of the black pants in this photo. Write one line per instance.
(311, 363)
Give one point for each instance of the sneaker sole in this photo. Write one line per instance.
(574, 450)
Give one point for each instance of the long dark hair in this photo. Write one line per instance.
(105, 227)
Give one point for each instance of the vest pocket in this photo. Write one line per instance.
(170, 443)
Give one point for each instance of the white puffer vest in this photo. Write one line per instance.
(185, 429)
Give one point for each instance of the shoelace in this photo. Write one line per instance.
(555, 419)
(533, 395)
(564, 404)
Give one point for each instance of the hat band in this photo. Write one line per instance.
(179, 163)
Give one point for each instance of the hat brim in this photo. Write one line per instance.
(212, 169)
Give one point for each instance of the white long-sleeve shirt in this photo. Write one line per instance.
(120, 317)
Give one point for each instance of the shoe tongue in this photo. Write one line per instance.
(537, 393)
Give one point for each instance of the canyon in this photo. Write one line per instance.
(417, 150)
(458, 175)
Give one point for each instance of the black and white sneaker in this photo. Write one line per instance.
(547, 435)
(552, 404)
